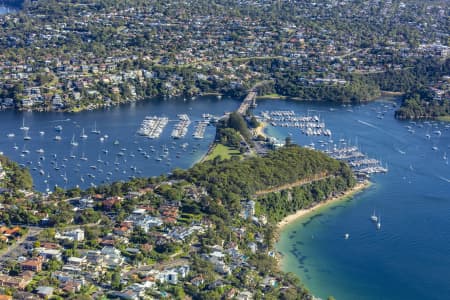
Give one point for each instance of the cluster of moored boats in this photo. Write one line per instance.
(181, 128)
(153, 126)
(200, 128)
(309, 125)
(359, 162)
(97, 165)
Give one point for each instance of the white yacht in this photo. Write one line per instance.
(73, 142)
(374, 217)
(23, 125)
(83, 135)
(95, 130)
(26, 136)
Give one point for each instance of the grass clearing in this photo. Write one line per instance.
(223, 151)
(271, 96)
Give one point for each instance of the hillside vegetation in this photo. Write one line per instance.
(233, 179)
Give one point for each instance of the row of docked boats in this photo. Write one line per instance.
(153, 126)
(361, 165)
(200, 129)
(309, 125)
(181, 128)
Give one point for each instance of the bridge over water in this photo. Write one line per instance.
(249, 101)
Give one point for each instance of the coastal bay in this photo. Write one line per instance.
(411, 200)
(290, 219)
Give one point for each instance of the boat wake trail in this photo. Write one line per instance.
(400, 151)
(368, 124)
(376, 127)
(63, 120)
(445, 179)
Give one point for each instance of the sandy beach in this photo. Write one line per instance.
(260, 129)
(300, 213)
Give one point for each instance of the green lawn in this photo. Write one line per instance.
(223, 151)
(271, 96)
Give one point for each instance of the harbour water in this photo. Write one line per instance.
(407, 258)
(112, 149)
(6, 9)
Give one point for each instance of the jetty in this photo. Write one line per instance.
(152, 127)
(181, 127)
(361, 165)
(309, 125)
(199, 132)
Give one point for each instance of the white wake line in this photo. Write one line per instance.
(445, 179)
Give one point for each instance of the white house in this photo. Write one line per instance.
(73, 235)
(111, 257)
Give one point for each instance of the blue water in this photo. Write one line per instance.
(408, 258)
(6, 9)
(119, 123)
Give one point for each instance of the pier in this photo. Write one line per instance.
(152, 127)
(181, 127)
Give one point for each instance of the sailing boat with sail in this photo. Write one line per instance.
(83, 135)
(95, 130)
(24, 128)
(73, 142)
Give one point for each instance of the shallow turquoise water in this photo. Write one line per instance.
(409, 257)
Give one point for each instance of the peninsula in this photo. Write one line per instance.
(202, 232)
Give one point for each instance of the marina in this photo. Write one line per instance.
(87, 152)
(200, 128)
(152, 127)
(417, 178)
(410, 201)
(361, 165)
(309, 125)
(181, 128)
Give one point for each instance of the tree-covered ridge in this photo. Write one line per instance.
(278, 205)
(204, 211)
(16, 177)
(245, 178)
(417, 74)
(422, 104)
(427, 92)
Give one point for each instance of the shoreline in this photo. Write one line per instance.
(279, 256)
(302, 212)
(260, 129)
